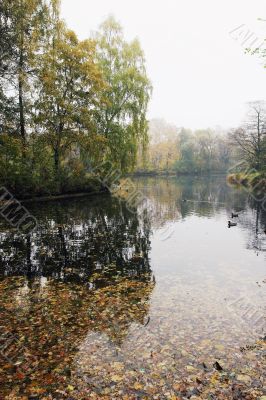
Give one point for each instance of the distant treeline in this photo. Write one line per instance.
(66, 105)
(173, 150)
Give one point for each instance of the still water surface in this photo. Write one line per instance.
(100, 301)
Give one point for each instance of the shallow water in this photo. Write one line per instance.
(101, 302)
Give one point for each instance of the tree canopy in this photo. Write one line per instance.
(66, 105)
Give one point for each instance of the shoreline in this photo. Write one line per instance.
(174, 174)
(255, 182)
(55, 197)
(63, 196)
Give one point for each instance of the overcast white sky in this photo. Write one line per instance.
(200, 73)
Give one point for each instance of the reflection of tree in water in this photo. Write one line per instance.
(160, 195)
(174, 198)
(170, 199)
(76, 239)
(253, 219)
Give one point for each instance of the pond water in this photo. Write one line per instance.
(165, 302)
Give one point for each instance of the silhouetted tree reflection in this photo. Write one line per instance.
(84, 270)
(253, 220)
(75, 239)
(77, 293)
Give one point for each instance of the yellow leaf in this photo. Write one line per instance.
(116, 378)
(190, 368)
(244, 378)
(138, 386)
(214, 378)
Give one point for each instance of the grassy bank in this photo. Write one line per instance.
(253, 181)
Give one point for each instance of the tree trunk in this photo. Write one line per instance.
(56, 161)
(20, 86)
(259, 143)
(57, 149)
(57, 176)
(21, 111)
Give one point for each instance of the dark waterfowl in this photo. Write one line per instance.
(231, 224)
(234, 215)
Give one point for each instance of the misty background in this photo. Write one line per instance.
(195, 53)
